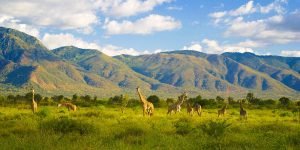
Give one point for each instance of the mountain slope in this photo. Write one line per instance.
(199, 71)
(25, 62)
(284, 69)
(109, 68)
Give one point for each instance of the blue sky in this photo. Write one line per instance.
(148, 26)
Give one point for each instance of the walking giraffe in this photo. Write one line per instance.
(176, 107)
(148, 107)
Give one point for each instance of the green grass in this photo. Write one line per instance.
(104, 127)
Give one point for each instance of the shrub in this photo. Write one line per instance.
(66, 125)
(284, 101)
(92, 114)
(154, 99)
(183, 126)
(43, 113)
(215, 128)
(285, 114)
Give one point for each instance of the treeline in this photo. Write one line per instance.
(123, 101)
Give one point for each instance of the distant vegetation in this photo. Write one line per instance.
(124, 101)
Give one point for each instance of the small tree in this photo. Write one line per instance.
(123, 102)
(284, 101)
(219, 99)
(250, 97)
(154, 99)
(170, 101)
(75, 97)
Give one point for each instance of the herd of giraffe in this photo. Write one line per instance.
(148, 107)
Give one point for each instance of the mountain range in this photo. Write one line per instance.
(25, 62)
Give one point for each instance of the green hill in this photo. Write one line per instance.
(25, 62)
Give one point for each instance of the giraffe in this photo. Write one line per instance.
(33, 103)
(176, 107)
(70, 106)
(197, 108)
(222, 111)
(243, 112)
(148, 107)
(189, 108)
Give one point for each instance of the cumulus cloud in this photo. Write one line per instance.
(193, 46)
(213, 47)
(11, 22)
(53, 41)
(125, 8)
(64, 14)
(290, 53)
(249, 8)
(174, 8)
(113, 50)
(150, 24)
(266, 31)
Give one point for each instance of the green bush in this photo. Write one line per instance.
(43, 113)
(66, 125)
(215, 128)
(285, 114)
(183, 126)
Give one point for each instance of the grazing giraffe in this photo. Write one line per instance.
(243, 112)
(70, 106)
(196, 108)
(176, 107)
(147, 106)
(33, 103)
(222, 111)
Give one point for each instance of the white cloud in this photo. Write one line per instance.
(248, 8)
(125, 8)
(64, 14)
(266, 31)
(57, 40)
(276, 6)
(193, 46)
(174, 8)
(10, 22)
(53, 41)
(150, 24)
(293, 53)
(243, 10)
(113, 50)
(212, 46)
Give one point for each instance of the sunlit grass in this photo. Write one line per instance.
(104, 127)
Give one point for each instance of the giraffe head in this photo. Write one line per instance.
(138, 88)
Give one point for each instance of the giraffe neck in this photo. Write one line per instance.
(241, 106)
(33, 97)
(141, 96)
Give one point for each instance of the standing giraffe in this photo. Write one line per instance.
(243, 112)
(70, 106)
(222, 111)
(193, 108)
(33, 104)
(176, 107)
(147, 106)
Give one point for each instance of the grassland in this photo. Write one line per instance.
(105, 127)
